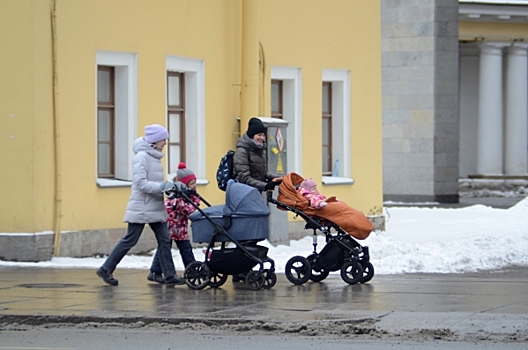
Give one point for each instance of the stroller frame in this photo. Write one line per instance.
(341, 252)
(199, 274)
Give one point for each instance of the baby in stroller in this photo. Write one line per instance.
(341, 225)
(308, 189)
(243, 221)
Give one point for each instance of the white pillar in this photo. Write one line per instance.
(489, 133)
(516, 118)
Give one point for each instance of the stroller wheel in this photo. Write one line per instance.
(217, 279)
(197, 275)
(270, 278)
(316, 276)
(298, 270)
(255, 280)
(368, 272)
(351, 272)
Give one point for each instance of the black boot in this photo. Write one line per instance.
(107, 277)
(156, 277)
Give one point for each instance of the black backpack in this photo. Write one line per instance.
(225, 170)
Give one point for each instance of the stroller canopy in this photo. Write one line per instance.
(244, 216)
(244, 200)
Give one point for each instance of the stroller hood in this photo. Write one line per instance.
(244, 200)
(244, 216)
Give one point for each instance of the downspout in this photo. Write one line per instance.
(249, 96)
(57, 207)
(262, 68)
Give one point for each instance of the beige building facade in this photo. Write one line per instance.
(81, 79)
(454, 98)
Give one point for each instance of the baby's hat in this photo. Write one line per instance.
(184, 175)
(308, 184)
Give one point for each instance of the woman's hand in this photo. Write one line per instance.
(270, 185)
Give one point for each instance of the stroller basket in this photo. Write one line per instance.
(242, 220)
(235, 260)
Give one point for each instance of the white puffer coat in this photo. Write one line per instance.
(146, 200)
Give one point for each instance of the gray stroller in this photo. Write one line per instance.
(243, 221)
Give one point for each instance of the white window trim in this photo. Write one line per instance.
(341, 134)
(292, 113)
(194, 71)
(126, 86)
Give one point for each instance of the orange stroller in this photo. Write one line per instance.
(341, 225)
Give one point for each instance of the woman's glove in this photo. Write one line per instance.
(180, 186)
(167, 186)
(270, 185)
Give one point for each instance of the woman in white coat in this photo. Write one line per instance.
(145, 206)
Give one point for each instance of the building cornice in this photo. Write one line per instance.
(511, 11)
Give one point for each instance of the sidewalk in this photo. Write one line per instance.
(487, 305)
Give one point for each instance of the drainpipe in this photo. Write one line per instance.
(262, 72)
(57, 207)
(249, 96)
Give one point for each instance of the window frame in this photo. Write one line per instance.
(110, 107)
(193, 71)
(125, 115)
(291, 78)
(327, 115)
(180, 111)
(279, 113)
(341, 125)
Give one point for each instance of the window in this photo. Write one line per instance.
(286, 102)
(327, 129)
(105, 122)
(176, 119)
(336, 101)
(116, 117)
(186, 115)
(276, 99)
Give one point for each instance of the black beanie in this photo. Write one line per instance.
(255, 126)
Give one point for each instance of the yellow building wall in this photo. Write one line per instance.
(311, 34)
(343, 34)
(26, 196)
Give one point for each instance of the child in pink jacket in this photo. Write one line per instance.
(179, 210)
(308, 189)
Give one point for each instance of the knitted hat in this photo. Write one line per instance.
(308, 184)
(185, 175)
(155, 133)
(255, 126)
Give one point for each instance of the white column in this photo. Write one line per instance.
(516, 118)
(489, 133)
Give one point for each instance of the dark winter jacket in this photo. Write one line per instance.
(249, 163)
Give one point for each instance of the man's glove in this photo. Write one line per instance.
(270, 185)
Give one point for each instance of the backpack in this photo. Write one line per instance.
(225, 170)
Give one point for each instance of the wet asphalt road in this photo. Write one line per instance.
(479, 307)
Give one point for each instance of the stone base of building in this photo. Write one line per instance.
(74, 244)
(493, 186)
(81, 244)
(410, 198)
